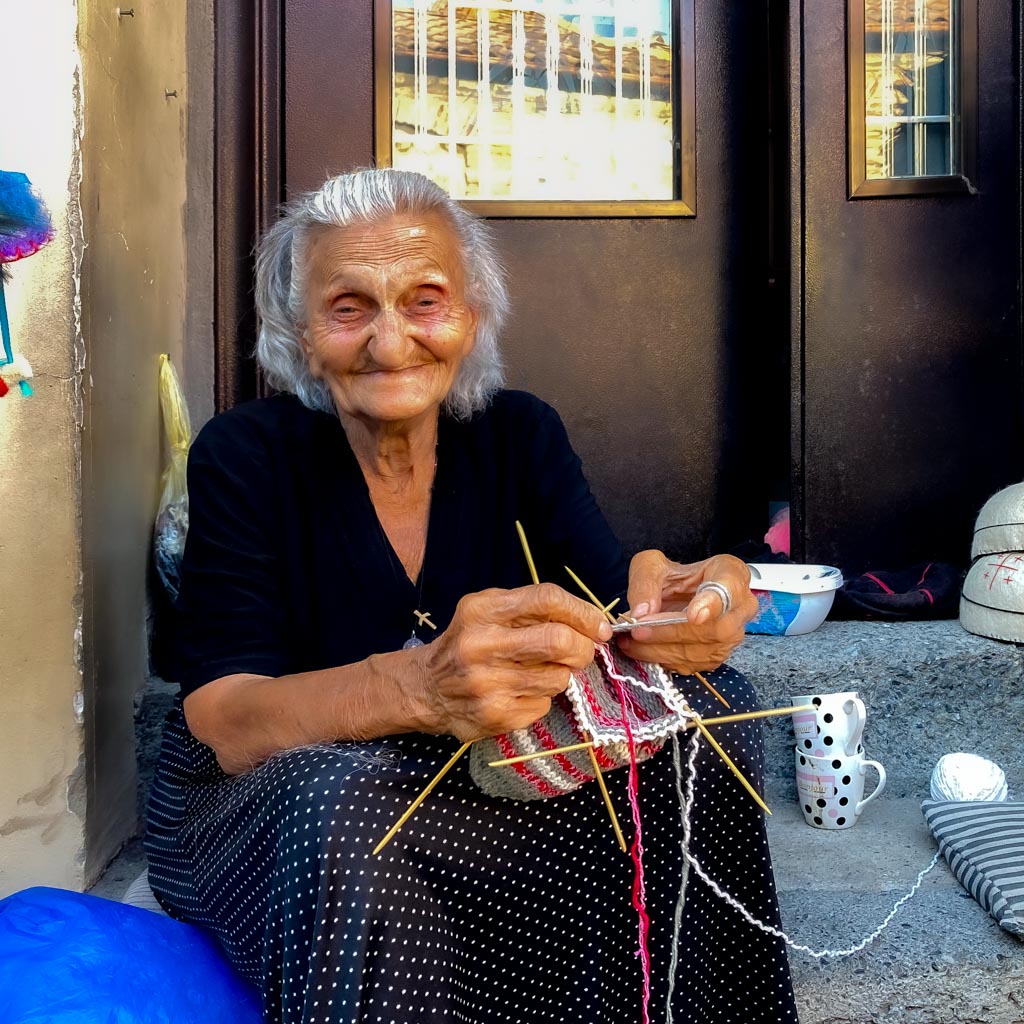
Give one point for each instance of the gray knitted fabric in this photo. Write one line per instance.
(594, 698)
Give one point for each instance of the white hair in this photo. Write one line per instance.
(371, 196)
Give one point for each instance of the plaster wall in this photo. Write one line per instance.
(198, 348)
(41, 735)
(134, 204)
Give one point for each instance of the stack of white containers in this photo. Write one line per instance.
(992, 602)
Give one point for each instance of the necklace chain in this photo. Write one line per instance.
(422, 617)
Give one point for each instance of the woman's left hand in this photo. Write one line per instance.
(657, 584)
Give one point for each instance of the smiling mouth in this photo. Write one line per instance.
(404, 369)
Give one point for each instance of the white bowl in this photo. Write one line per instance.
(792, 599)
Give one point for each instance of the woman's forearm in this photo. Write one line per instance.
(246, 719)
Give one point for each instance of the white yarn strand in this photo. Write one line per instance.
(686, 809)
(818, 954)
(685, 806)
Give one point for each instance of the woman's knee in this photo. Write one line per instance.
(318, 789)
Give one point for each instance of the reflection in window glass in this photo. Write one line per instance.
(910, 88)
(541, 100)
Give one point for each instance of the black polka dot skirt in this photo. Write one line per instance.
(480, 910)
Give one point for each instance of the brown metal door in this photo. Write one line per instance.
(909, 385)
(636, 330)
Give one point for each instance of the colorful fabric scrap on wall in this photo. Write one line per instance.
(25, 227)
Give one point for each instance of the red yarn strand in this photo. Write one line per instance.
(636, 853)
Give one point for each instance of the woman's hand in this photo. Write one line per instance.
(709, 637)
(502, 659)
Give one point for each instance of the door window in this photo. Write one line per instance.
(912, 70)
(557, 107)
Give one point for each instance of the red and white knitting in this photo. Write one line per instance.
(616, 702)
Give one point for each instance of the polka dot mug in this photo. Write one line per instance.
(835, 726)
(831, 789)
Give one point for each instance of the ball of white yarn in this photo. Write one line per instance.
(963, 776)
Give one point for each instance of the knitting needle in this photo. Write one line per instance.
(629, 624)
(542, 753)
(713, 690)
(616, 828)
(607, 798)
(423, 796)
(747, 715)
(526, 552)
(717, 720)
(586, 590)
(716, 746)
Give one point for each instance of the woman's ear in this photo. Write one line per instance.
(474, 323)
(312, 362)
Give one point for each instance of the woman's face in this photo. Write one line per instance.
(387, 325)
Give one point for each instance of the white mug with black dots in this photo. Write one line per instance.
(835, 726)
(831, 789)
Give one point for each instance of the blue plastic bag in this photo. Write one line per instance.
(68, 958)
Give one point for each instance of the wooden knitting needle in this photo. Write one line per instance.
(542, 753)
(410, 810)
(713, 690)
(717, 720)
(526, 551)
(586, 590)
(748, 715)
(729, 762)
(607, 798)
(616, 828)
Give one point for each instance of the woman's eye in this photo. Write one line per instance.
(426, 299)
(345, 308)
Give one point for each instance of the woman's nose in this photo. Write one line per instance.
(390, 343)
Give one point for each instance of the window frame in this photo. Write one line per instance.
(859, 186)
(684, 172)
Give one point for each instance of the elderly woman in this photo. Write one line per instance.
(355, 604)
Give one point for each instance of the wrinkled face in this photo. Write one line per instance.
(387, 326)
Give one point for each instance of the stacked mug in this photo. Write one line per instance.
(830, 762)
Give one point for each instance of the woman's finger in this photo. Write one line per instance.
(545, 643)
(542, 681)
(672, 644)
(707, 605)
(684, 658)
(544, 602)
(647, 575)
(518, 714)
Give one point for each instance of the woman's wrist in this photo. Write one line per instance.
(399, 687)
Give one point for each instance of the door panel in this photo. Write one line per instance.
(635, 330)
(912, 385)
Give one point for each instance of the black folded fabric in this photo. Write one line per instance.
(929, 590)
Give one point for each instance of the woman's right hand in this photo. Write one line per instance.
(502, 659)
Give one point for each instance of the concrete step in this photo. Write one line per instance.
(942, 960)
(930, 688)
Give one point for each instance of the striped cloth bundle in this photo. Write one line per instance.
(983, 842)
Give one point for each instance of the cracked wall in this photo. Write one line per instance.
(134, 208)
(41, 737)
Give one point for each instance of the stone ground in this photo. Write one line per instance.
(930, 688)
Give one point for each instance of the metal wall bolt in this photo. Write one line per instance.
(122, 13)
(168, 93)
